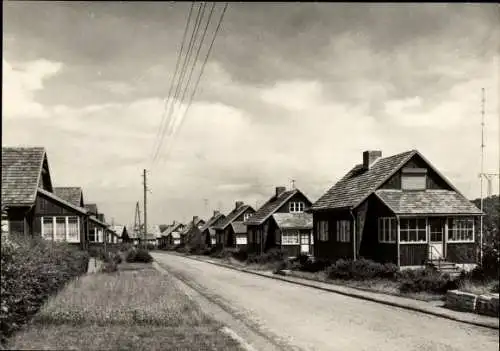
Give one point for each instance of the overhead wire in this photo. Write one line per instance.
(187, 59)
(199, 78)
(171, 89)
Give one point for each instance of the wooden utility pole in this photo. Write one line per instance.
(145, 206)
(481, 176)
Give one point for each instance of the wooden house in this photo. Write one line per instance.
(196, 222)
(208, 230)
(266, 231)
(230, 231)
(173, 234)
(397, 209)
(30, 204)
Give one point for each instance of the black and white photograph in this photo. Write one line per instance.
(254, 176)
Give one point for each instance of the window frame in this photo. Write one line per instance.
(390, 236)
(295, 206)
(77, 235)
(410, 230)
(343, 233)
(287, 235)
(451, 230)
(246, 216)
(239, 237)
(413, 175)
(323, 230)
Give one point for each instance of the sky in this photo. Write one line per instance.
(290, 91)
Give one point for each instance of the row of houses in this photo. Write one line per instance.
(33, 206)
(399, 209)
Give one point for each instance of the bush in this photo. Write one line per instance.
(361, 269)
(271, 256)
(426, 280)
(31, 271)
(109, 267)
(240, 255)
(138, 255)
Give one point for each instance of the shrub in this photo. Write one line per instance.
(240, 255)
(426, 280)
(271, 256)
(495, 288)
(138, 255)
(361, 269)
(109, 267)
(31, 271)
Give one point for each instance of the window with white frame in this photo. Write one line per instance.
(460, 230)
(343, 231)
(246, 216)
(413, 230)
(322, 230)
(304, 238)
(290, 237)
(296, 207)
(241, 239)
(387, 230)
(61, 228)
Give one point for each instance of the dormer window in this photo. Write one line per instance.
(413, 179)
(296, 207)
(246, 216)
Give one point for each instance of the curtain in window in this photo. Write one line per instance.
(60, 229)
(73, 229)
(47, 228)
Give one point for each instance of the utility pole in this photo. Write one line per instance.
(482, 171)
(145, 183)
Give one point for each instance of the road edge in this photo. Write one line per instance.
(359, 295)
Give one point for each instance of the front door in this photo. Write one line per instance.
(436, 239)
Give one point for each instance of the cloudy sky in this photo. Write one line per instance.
(290, 91)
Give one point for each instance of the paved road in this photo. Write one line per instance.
(310, 319)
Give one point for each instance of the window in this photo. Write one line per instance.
(413, 230)
(48, 228)
(322, 230)
(461, 230)
(387, 230)
(241, 239)
(343, 231)
(60, 232)
(73, 229)
(290, 237)
(246, 216)
(304, 239)
(296, 207)
(5, 226)
(413, 179)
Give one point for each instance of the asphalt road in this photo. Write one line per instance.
(309, 319)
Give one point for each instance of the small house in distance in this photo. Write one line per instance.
(230, 231)
(397, 209)
(281, 223)
(208, 230)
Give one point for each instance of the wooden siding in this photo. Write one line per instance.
(413, 254)
(241, 217)
(433, 180)
(370, 247)
(291, 250)
(331, 249)
(285, 208)
(461, 253)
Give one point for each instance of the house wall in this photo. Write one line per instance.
(331, 249)
(434, 181)
(370, 247)
(461, 253)
(16, 218)
(297, 197)
(242, 215)
(413, 254)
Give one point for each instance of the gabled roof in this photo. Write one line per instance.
(426, 202)
(294, 220)
(212, 221)
(92, 208)
(271, 206)
(71, 194)
(57, 199)
(239, 227)
(118, 229)
(235, 213)
(21, 172)
(358, 184)
(172, 229)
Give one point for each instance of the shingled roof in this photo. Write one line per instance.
(72, 195)
(56, 198)
(239, 227)
(231, 216)
(294, 220)
(358, 183)
(426, 202)
(92, 208)
(212, 221)
(21, 172)
(271, 206)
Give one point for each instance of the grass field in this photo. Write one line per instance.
(132, 309)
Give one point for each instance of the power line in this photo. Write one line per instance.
(167, 127)
(171, 89)
(200, 75)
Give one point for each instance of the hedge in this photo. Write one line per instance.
(31, 271)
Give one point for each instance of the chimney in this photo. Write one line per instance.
(238, 204)
(216, 213)
(280, 190)
(195, 219)
(369, 157)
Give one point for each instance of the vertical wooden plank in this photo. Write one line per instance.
(398, 243)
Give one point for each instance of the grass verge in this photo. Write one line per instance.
(135, 309)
